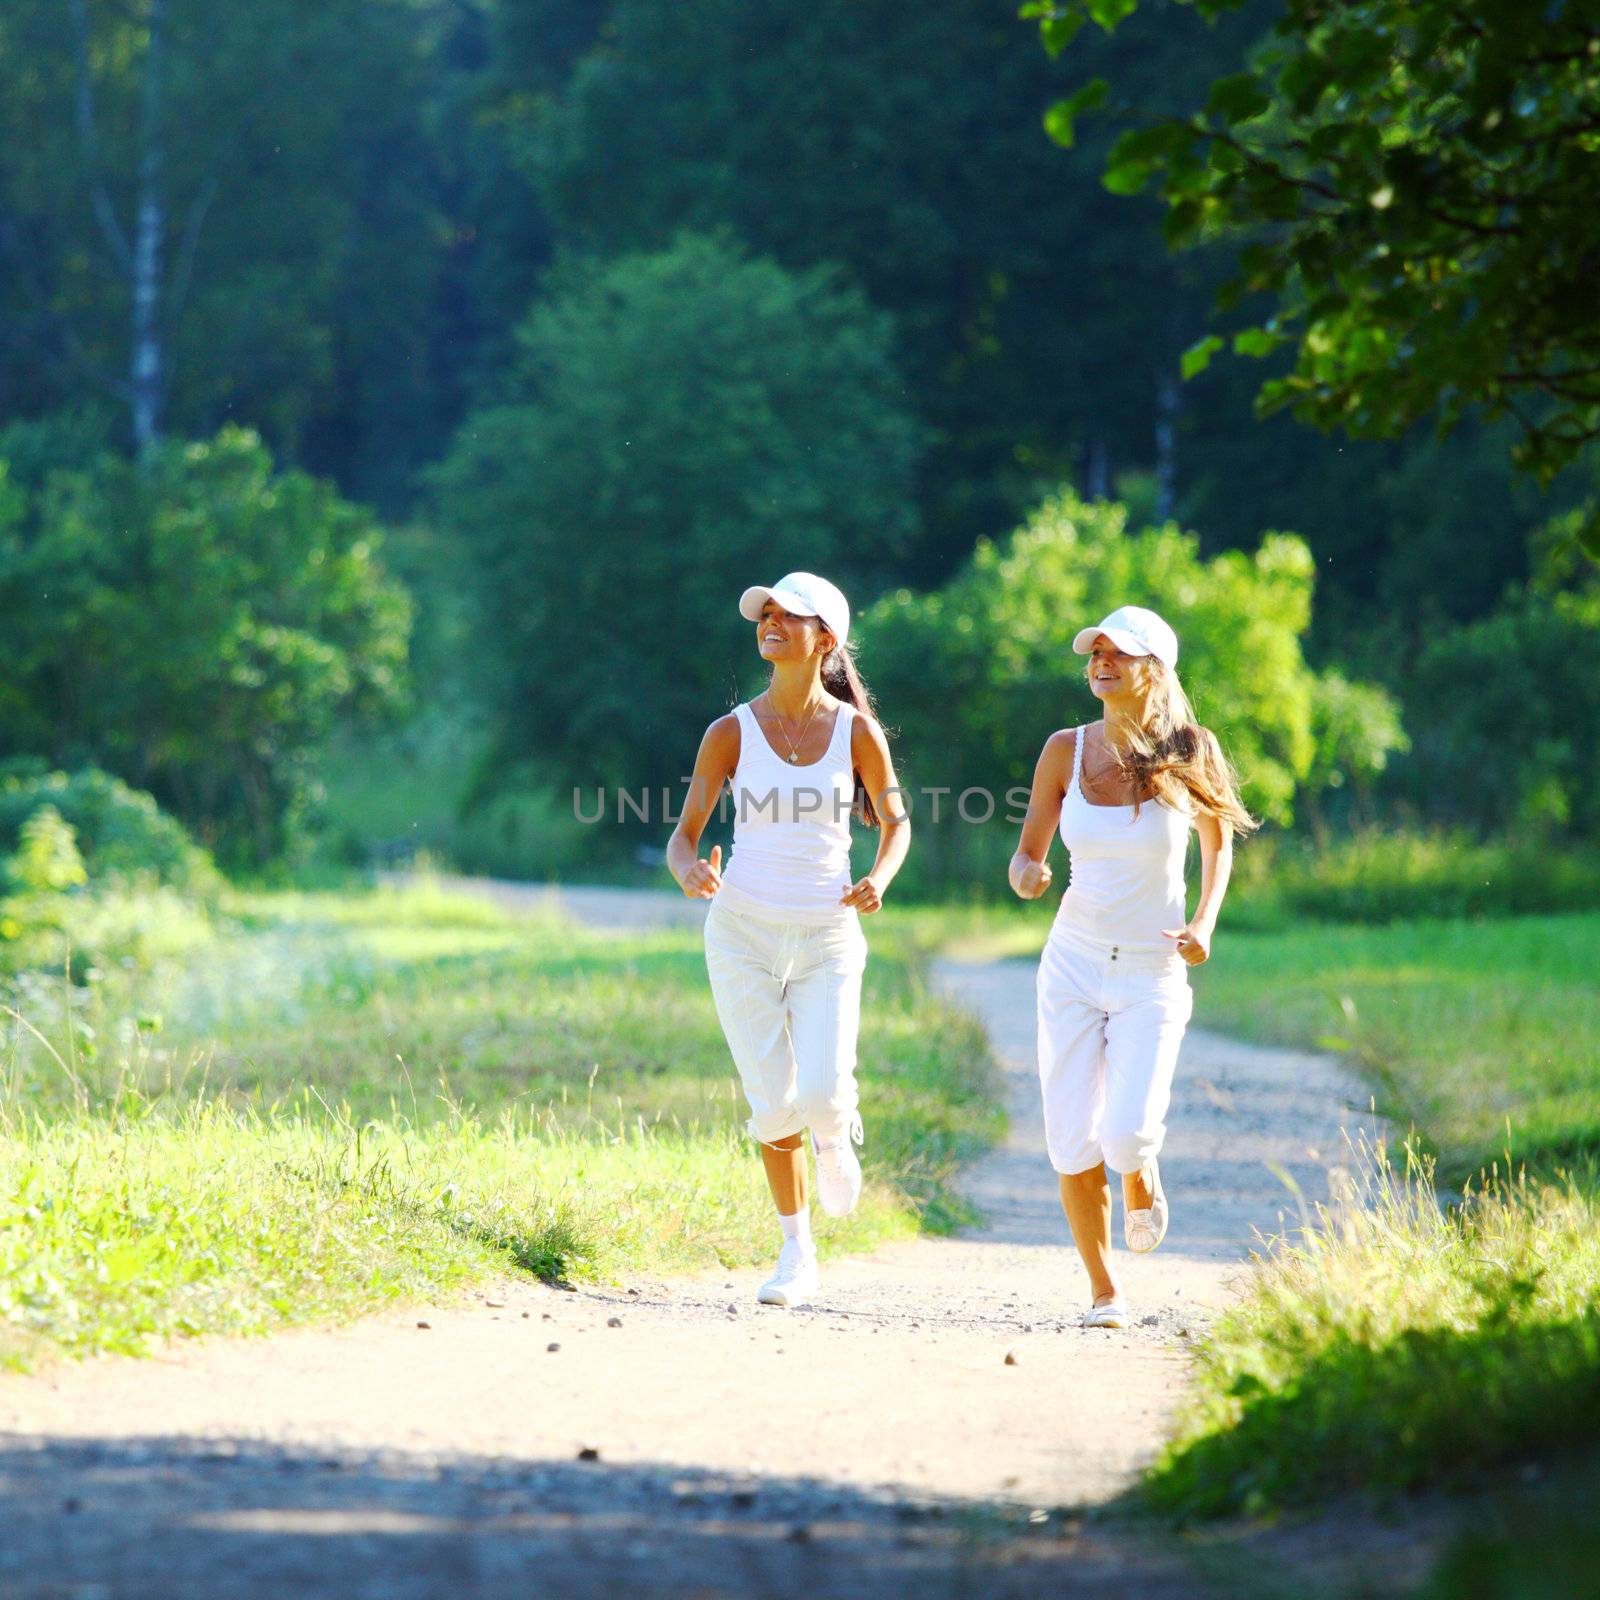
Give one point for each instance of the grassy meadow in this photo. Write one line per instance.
(339, 1100)
(1484, 1035)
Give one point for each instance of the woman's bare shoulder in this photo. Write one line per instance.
(721, 738)
(1059, 745)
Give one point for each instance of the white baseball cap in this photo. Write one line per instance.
(1135, 632)
(805, 595)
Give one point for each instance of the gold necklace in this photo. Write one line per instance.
(793, 756)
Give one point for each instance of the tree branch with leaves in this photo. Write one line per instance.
(1413, 184)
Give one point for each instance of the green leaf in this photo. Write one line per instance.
(1198, 356)
(1060, 119)
(1301, 82)
(1058, 32)
(1184, 219)
(1127, 177)
(1108, 13)
(124, 1262)
(1136, 155)
(1255, 342)
(1589, 533)
(1237, 99)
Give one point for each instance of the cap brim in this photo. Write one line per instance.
(752, 600)
(1084, 642)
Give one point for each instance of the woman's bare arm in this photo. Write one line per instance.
(714, 766)
(869, 750)
(1030, 867)
(1216, 866)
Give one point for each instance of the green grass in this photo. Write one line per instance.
(1484, 1035)
(344, 1100)
(1399, 1345)
(1379, 875)
(1413, 1341)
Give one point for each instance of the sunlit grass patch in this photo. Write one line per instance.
(1484, 1035)
(117, 1232)
(1398, 1343)
(344, 1100)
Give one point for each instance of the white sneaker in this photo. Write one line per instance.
(796, 1279)
(839, 1172)
(1113, 1314)
(1145, 1229)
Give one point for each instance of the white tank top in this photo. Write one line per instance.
(791, 828)
(1125, 882)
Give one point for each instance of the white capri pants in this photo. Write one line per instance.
(788, 997)
(1110, 1024)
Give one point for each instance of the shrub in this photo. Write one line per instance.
(677, 425)
(1393, 875)
(124, 836)
(196, 622)
(1505, 715)
(979, 673)
(1398, 1345)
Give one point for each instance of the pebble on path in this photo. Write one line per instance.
(613, 1322)
(1011, 1358)
(424, 1324)
(552, 1347)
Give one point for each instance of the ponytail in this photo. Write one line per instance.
(843, 682)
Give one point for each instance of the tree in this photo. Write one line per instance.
(1355, 728)
(210, 212)
(195, 624)
(677, 426)
(1414, 178)
(1503, 749)
(1039, 324)
(980, 672)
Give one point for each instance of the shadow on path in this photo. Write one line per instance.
(138, 1519)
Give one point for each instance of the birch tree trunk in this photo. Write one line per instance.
(1167, 403)
(147, 366)
(1097, 477)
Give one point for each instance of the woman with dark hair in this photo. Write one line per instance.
(1113, 989)
(784, 947)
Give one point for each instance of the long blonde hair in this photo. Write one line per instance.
(1176, 761)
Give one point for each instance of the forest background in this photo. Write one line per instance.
(395, 395)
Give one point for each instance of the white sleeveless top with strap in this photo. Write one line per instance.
(791, 828)
(1125, 882)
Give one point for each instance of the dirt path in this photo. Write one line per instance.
(737, 1449)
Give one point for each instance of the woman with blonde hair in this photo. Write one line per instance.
(1113, 987)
